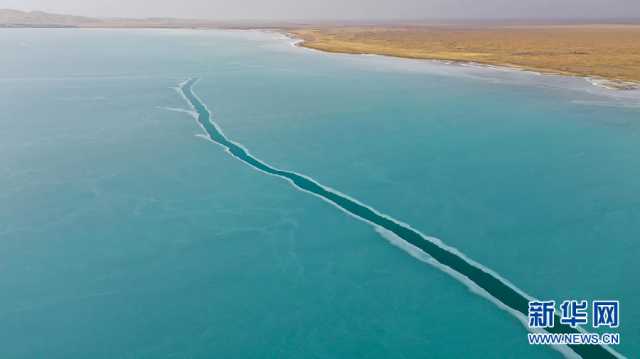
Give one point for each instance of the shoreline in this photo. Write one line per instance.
(595, 80)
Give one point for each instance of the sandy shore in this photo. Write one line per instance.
(607, 55)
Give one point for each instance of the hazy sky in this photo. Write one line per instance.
(337, 9)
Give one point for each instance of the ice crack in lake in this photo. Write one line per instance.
(478, 278)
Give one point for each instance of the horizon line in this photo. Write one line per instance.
(559, 20)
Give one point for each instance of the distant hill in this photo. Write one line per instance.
(17, 18)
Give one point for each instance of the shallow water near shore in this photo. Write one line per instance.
(125, 235)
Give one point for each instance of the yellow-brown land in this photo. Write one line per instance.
(608, 51)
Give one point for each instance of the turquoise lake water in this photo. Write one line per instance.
(125, 234)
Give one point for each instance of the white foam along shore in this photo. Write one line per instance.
(613, 84)
(603, 83)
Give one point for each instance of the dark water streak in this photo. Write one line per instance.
(497, 288)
